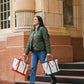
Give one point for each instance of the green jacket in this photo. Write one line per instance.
(41, 40)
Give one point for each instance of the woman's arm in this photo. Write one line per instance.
(46, 40)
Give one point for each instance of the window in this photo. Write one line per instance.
(68, 12)
(4, 14)
(15, 21)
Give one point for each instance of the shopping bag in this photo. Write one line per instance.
(50, 67)
(20, 66)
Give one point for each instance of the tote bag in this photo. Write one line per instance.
(50, 67)
(20, 66)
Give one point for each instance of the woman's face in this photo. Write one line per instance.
(35, 22)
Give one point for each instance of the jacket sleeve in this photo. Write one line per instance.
(46, 40)
(28, 46)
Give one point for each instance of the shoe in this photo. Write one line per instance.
(53, 81)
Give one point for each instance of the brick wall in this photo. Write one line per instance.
(6, 82)
(9, 49)
(78, 49)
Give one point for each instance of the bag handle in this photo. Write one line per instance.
(46, 59)
(20, 58)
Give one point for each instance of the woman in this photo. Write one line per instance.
(39, 45)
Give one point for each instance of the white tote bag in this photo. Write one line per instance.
(50, 67)
(20, 66)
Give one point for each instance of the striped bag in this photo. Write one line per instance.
(50, 67)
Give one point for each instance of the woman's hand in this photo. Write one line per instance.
(26, 57)
(48, 54)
